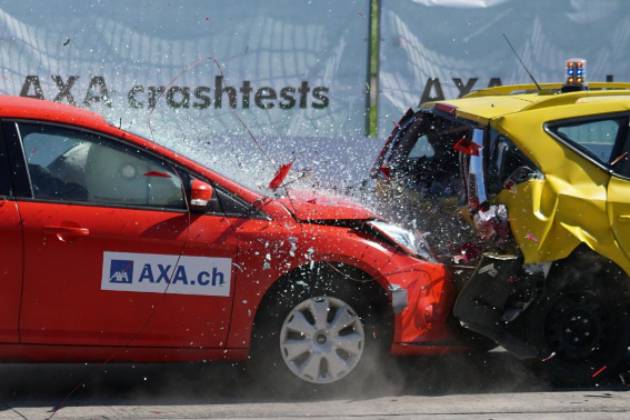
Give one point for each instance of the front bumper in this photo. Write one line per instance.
(422, 297)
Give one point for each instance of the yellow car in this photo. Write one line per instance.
(524, 192)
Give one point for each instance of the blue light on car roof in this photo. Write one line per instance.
(576, 71)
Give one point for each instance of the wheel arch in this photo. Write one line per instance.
(584, 257)
(376, 291)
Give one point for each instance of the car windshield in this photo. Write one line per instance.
(423, 153)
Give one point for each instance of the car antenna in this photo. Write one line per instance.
(531, 76)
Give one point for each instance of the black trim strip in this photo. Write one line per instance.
(19, 176)
(6, 188)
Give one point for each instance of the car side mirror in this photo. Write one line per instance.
(200, 195)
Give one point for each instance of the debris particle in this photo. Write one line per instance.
(490, 269)
(599, 371)
(309, 253)
(466, 146)
(619, 158)
(280, 176)
(510, 186)
(267, 262)
(66, 42)
(293, 244)
(530, 236)
(551, 356)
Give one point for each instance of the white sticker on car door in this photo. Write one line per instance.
(160, 273)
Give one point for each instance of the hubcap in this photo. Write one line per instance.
(322, 340)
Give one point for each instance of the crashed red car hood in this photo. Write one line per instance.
(312, 205)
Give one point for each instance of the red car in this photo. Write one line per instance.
(115, 248)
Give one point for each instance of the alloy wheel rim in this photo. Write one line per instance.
(322, 340)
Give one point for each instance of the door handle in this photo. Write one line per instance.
(63, 233)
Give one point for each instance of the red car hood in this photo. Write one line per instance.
(311, 205)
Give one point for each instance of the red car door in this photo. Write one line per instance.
(108, 259)
(10, 254)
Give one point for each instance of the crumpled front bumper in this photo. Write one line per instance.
(422, 297)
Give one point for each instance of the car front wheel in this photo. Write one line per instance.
(319, 332)
(322, 340)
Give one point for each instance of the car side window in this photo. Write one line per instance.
(506, 163)
(595, 137)
(76, 166)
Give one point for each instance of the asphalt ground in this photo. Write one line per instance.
(491, 386)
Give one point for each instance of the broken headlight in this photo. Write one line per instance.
(403, 238)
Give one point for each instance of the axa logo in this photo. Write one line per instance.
(164, 273)
(121, 271)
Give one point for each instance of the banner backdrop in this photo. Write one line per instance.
(434, 49)
(192, 71)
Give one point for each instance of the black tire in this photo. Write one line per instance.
(582, 321)
(364, 296)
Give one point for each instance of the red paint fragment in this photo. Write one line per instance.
(466, 253)
(280, 176)
(599, 371)
(386, 171)
(466, 146)
(531, 237)
(157, 174)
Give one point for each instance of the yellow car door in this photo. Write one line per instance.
(619, 203)
(619, 193)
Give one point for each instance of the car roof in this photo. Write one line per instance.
(487, 104)
(30, 108)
